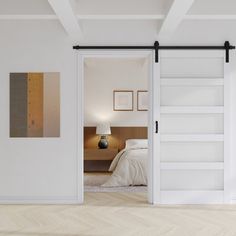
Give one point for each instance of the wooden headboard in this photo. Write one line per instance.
(117, 138)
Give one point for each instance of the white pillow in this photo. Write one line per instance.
(142, 143)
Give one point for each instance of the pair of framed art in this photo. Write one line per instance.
(123, 100)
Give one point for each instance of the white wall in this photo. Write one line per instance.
(38, 168)
(46, 168)
(102, 76)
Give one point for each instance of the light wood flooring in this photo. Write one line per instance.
(108, 214)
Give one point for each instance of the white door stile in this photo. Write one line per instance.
(80, 132)
(227, 135)
(154, 176)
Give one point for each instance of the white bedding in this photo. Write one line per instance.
(129, 168)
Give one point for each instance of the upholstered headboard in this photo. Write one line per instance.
(117, 138)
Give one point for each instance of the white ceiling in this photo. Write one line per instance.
(86, 19)
(123, 6)
(221, 7)
(25, 7)
(110, 7)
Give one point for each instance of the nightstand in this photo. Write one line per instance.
(98, 159)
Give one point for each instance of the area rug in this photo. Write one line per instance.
(93, 182)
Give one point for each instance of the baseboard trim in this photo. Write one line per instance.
(23, 200)
(5, 200)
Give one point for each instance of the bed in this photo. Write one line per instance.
(129, 167)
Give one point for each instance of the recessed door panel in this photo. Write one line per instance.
(192, 127)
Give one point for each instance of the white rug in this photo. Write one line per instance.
(93, 182)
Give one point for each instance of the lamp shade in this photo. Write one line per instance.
(103, 129)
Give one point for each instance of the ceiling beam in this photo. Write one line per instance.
(210, 17)
(28, 17)
(121, 17)
(65, 11)
(174, 17)
(115, 17)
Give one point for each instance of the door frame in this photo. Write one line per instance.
(153, 80)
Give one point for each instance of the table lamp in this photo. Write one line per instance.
(103, 129)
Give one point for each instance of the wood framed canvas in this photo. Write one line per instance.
(142, 100)
(123, 100)
(35, 104)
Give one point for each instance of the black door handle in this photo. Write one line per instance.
(156, 131)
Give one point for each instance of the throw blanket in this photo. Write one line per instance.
(129, 168)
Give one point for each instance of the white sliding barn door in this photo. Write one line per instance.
(193, 139)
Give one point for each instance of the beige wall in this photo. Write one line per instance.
(102, 76)
(51, 105)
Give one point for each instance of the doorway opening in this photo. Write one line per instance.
(115, 101)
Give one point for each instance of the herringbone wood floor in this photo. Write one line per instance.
(108, 214)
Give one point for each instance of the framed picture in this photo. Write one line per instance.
(123, 100)
(142, 100)
(35, 104)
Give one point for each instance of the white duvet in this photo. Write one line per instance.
(129, 168)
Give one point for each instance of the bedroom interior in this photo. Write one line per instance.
(115, 116)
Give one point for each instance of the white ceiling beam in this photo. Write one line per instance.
(210, 17)
(121, 17)
(116, 17)
(28, 17)
(83, 17)
(174, 17)
(65, 11)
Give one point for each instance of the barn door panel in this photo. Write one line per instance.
(193, 127)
